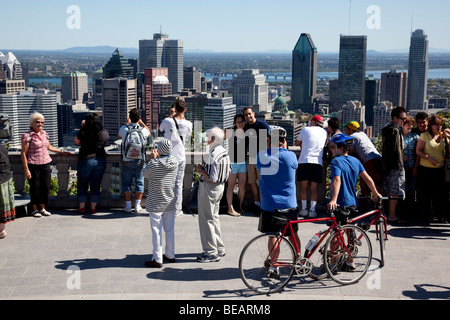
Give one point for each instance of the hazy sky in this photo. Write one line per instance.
(223, 26)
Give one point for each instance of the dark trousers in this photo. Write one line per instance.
(39, 183)
(433, 191)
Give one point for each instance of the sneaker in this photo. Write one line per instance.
(312, 214)
(304, 213)
(348, 268)
(179, 213)
(273, 273)
(127, 209)
(204, 258)
(138, 209)
(222, 253)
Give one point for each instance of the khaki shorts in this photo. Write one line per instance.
(394, 183)
(252, 174)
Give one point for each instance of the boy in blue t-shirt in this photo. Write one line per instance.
(345, 171)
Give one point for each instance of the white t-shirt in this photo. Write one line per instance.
(123, 133)
(313, 141)
(170, 133)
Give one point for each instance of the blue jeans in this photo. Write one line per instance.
(90, 173)
(132, 169)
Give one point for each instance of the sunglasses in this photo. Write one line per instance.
(40, 122)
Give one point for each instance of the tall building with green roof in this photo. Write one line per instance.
(304, 74)
(118, 67)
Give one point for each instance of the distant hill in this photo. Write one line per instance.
(101, 50)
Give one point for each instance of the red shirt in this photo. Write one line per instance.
(38, 147)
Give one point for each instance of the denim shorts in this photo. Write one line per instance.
(238, 168)
(133, 169)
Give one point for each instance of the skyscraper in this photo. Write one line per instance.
(19, 107)
(163, 53)
(372, 96)
(11, 81)
(192, 78)
(304, 74)
(119, 98)
(352, 69)
(418, 71)
(394, 87)
(220, 113)
(74, 86)
(118, 67)
(10, 67)
(251, 90)
(156, 85)
(353, 111)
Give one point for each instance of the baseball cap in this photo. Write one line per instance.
(318, 120)
(353, 125)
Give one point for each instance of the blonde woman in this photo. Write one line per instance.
(36, 163)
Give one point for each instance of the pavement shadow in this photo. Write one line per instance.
(130, 261)
(194, 274)
(421, 292)
(422, 233)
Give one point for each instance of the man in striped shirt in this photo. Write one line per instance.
(214, 173)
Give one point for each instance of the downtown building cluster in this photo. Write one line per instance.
(353, 95)
(153, 82)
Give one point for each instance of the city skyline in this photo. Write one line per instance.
(248, 26)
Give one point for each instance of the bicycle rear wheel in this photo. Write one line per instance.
(348, 255)
(265, 272)
(382, 240)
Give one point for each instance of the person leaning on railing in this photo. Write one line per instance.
(36, 163)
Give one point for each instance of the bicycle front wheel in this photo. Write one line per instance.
(265, 271)
(348, 255)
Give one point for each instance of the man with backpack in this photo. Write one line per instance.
(134, 136)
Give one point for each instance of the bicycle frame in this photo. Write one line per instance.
(272, 255)
(378, 215)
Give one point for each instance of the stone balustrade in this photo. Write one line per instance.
(111, 196)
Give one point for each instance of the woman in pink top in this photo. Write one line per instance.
(36, 162)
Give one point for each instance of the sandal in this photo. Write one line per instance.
(45, 213)
(36, 214)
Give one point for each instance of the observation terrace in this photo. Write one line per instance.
(111, 195)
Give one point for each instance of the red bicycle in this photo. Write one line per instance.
(269, 261)
(378, 219)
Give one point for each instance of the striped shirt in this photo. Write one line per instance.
(218, 165)
(161, 173)
(38, 147)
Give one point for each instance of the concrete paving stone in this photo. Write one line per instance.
(111, 247)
